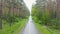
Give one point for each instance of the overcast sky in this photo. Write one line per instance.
(29, 3)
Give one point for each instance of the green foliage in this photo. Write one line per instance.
(45, 16)
(46, 30)
(15, 28)
(14, 15)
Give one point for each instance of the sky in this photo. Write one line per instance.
(29, 3)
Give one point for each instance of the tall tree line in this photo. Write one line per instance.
(15, 8)
(47, 12)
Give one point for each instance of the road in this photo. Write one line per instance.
(30, 28)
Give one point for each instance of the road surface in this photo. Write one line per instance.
(30, 28)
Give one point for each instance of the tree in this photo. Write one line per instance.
(0, 14)
(47, 12)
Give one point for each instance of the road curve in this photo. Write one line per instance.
(30, 28)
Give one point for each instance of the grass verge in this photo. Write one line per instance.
(13, 29)
(46, 30)
(23, 23)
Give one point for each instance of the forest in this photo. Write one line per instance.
(13, 15)
(44, 18)
(47, 14)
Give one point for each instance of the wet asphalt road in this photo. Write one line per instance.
(30, 28)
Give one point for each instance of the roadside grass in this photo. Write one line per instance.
(23, 23)
(14, 28)
(43, 30)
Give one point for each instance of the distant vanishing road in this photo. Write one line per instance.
(30, 28)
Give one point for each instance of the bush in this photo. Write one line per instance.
(10, 19)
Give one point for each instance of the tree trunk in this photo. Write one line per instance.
(58, 14)
(1, 15)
